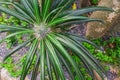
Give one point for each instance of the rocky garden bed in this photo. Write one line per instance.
(112, 73)
(108, 57)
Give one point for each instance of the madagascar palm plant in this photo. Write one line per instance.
(49, 44)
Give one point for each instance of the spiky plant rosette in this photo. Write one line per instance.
(48, 44)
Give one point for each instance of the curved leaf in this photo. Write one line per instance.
(81, 52)
(36, 68)
(49, 69)
(42, 59)
(66, 55)
(55, 58)
(29, 59)
(15, 14)
(14, 34)
(66, 19)
(85, 10)
(17, 48)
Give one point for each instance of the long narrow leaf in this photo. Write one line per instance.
(81, 39)
(53, 67)
(28, 7)
(36, 68)
(65, 19)
(84, 11)
(17, 48)
(55, 58)
(3, 26)
(67, 65)
(77, 22)
(51, 13)
(62, 3)
(29, 59)
(74, 47)
(15, 14)
(46, 8)
(14, 34)
(67, 56)
(8, 30)
(18, 7)
(42, 59)
(36, 11)
(49, 66)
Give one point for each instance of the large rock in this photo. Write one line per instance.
(97, 29)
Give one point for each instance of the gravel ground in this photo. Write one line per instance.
(3, 49)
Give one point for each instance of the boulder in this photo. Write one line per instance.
(112, 20)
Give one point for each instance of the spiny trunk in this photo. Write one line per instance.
(96, 29)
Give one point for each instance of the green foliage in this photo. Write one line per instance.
(14, 69)
(82, 69)
(111, 52)
(112, 48)
(11, 67)
(95, 1)
(98, 54)
(10, 20)
(49, 43)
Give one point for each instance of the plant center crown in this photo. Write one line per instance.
(41, 30)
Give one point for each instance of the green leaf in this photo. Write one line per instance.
(49, 66)
(55, 59)
(67, 65)
(42, 59)
(24, 11)
(81, 39)
(63, 4)
(36, 67)
(51, 49)
(81, 53)
(51, 14)
(46, 8)
(53, 67)
(85, 10)
(8, 30)
(29, 59)
(66, 19)
(17, 48)
(66, 55)
(36, 10)
(95, 1)
(18, 8)
(14, 34)
(77, 22)
(28, 7)
(2, 26)
(15, 14)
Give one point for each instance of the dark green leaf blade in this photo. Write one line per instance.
(79, 51)
(15, 14)
(85, 10)
(14, 34)
(49, 69)
(42, 59)
(29, 59)
(36, 67)
(66, 55)
(17, 48)
(55, 58)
